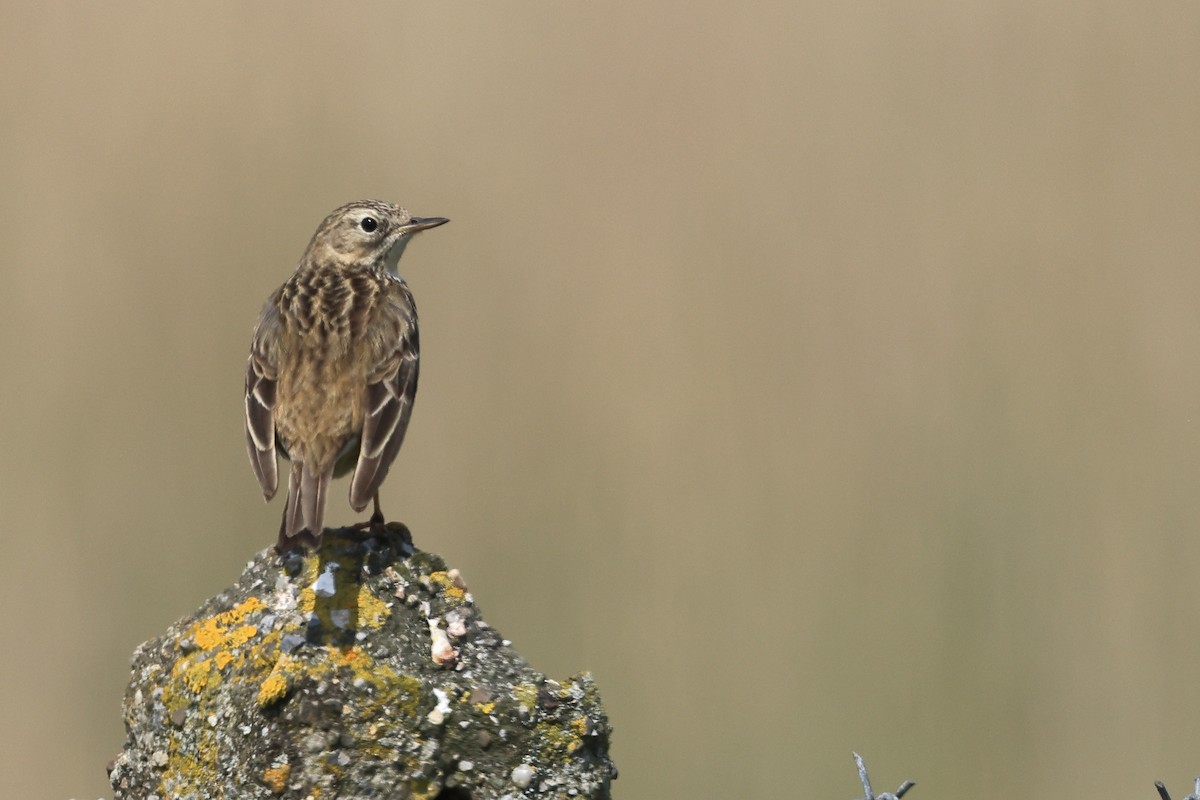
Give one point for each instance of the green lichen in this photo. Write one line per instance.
(526, 694)
(557, 743)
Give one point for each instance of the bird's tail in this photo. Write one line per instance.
(304, 516)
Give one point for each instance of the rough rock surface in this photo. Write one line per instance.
(362, 670)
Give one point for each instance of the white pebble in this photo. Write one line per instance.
(438, 715)
(325, 585)
(522, 776)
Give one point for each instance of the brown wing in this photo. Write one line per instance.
(391, 389)
(260, 399)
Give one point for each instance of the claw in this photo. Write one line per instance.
(377, 519)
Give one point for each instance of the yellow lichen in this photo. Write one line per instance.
(579, 725)
(214, 631)
(559, 742)
(407, 695)
(424, 789)
(264, 654)
(247, 607)
(448, 586)
(272, 689)
(235, 615)
(372, 612)
(190, 772)
(229, 648)
(208, 634)
(239, 636)
(307, 601)
(195, 676)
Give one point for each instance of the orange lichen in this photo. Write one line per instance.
(353, 657)
(276, 778)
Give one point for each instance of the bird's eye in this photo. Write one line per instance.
(368, 224)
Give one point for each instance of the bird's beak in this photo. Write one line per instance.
(421, 223)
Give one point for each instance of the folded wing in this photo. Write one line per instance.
(260, 400)
(391, 389)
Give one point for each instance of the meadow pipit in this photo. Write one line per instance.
(333, 367)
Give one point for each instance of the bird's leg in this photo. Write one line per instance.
(282, 546)
(377, 519)
(302, 540)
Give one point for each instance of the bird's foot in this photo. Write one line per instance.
(304, 541)
(374, 524)
(388, 535)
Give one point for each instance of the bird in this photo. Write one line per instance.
(333, 366)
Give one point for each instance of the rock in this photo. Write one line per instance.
(331, 675)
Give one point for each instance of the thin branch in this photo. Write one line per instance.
(1165, 795)
(904, 787)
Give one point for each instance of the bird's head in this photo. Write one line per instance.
(368, 233)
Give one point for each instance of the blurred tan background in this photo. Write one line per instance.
(822, 376)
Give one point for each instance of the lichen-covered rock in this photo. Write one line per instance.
(362, 670)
